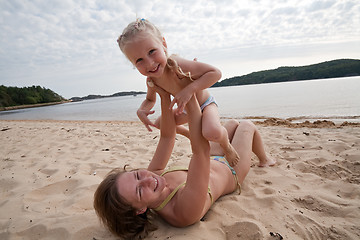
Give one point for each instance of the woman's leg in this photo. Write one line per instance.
(213, 131)
(247, 140)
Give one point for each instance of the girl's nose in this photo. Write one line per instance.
(150, 62)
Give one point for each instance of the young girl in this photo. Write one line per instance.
(146, 48)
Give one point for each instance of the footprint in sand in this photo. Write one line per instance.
(41, 231)
(332, 207)
(52, 196)
(308, 228)
(243, 230)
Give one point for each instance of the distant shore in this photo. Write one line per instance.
(31, 105)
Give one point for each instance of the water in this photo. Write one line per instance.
(326, 98)
(316, 99)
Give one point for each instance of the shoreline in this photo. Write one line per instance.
(322, 123)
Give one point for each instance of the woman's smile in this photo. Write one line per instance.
(156, 184)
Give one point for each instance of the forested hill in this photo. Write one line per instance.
(14, 96)
(330, 69)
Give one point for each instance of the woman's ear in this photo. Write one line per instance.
(141, 211)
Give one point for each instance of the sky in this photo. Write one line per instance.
(70, 46)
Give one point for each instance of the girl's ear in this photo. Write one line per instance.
(164, 43)
(141, 211)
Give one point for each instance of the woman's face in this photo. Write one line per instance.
(141, 188)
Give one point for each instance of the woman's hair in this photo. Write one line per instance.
(118, 215)
(142, 25)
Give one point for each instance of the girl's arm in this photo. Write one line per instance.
(167, 133)
(191, 200)
(204, 76)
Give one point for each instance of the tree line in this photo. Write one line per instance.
(330, 69)
(14, 96)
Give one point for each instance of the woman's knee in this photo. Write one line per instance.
(247, 125)
(231, 124)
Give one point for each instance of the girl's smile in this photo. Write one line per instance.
(156, 69)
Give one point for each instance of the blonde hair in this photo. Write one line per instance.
(142, 25)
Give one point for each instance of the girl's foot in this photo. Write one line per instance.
(267, 163)
(231, 155)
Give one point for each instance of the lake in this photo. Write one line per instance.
(336, 99)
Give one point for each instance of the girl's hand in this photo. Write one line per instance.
(181, 99)
(143, 116)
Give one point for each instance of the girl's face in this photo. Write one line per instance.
(141, 188)
(147, 54)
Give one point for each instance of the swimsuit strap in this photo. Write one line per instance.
(171, 195)
(211, 197)
(174, 169)
(168, 198)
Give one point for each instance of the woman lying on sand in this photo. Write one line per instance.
(126, 200)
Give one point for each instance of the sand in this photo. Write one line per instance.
(50, 170)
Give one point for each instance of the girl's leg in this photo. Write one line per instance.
(247, 140)
(180, 129)
(230, 126)
(213, 131)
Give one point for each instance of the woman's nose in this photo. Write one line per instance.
(146, 181)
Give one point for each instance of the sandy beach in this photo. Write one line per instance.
(50, 170)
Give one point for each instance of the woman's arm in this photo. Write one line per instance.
(167, 133)
(145, 108)
(192, 198)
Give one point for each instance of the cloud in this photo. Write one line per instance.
(320, 5)
(60, 42)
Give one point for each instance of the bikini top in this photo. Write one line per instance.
(172, 194)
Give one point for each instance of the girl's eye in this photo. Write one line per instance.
(151, 51)
(138, 60)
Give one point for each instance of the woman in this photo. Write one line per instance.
(180, 196)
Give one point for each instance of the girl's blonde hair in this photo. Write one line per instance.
(142, 25)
